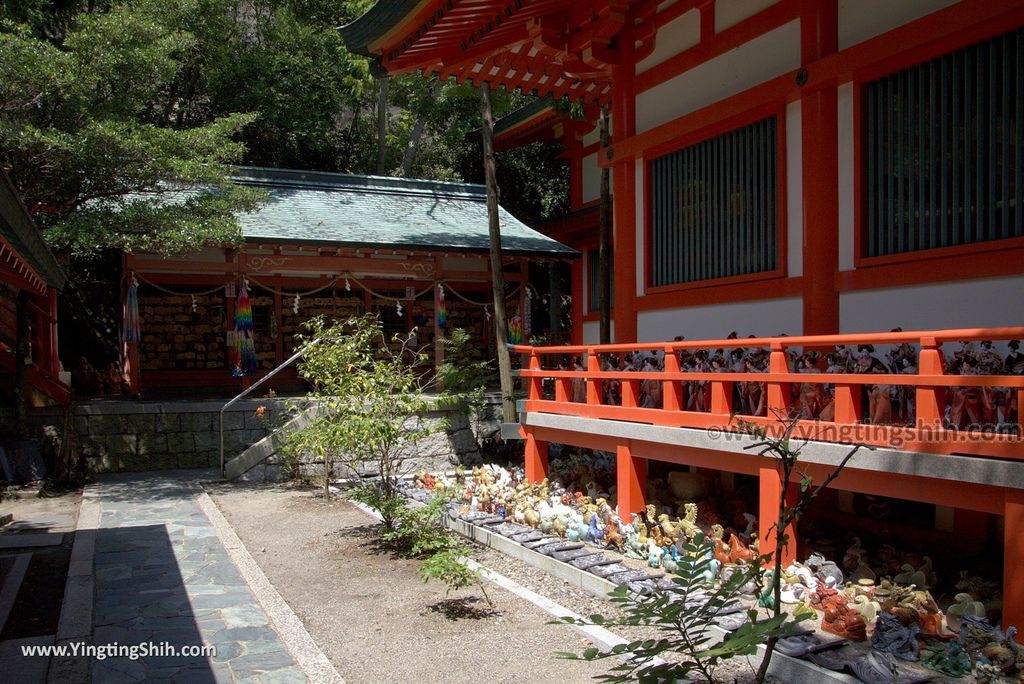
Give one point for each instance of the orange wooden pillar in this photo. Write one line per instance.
(624, 205)
(819, 127)
(631, 480)
(1013, 560)
(536, 458)
(768, 514)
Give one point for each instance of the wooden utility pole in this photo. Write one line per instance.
(22, 352)
(382, 124)
(604, 248)
(508, 408)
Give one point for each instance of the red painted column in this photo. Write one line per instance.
(624, 205)
(536, 458)
(1013, 560)
(930, 402)
(576, 332)
(631, 480)
(820, 166)
(768, 515)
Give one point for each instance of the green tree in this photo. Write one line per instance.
(82, 136)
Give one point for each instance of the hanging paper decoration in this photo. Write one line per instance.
(487, 313)
(194, 307)
(131, 312)
(442, 312)
(398, 308)
(515, 330)
(295, 304)
(246, 362)
(348, 285)
(528, 315)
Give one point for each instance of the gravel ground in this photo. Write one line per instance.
(373, 616)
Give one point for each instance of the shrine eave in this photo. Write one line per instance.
(25, 259)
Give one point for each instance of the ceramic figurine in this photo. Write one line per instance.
(582, 528)
(909, 576)
(738, 551)
(825, 570)
(891, 636)
(964, 604)
(669, 564)
(612, 536)
(688, 523)
(867, 608)
(840, 619)
(979, 638)
(572, 534)
(596, 531)
(654, 554)
(949, 659)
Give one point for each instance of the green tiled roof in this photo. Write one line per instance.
(343, 209)
(378, 20)
(18, 229)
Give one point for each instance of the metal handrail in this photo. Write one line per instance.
(244, 393)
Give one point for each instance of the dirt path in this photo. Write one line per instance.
(373, 616)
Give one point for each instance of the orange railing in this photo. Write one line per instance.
(940, 402)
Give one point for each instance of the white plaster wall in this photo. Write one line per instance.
(794, 192)
(677, 35)
(755, 62)
(592, 331)
(591, 178)
(863, 19)
(731, 12)
(981, 303)
(716, 321)
(844, 98)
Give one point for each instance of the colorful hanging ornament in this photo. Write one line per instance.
(131, 312)
(246, 363)
(442, 312)
(528, 315)
(515, 330)
(295, 304)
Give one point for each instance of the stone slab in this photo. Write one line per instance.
(591, 560)
(606, 571)
(622, 578)
(543, 541)
(25, 541)
(528, 536)
(567, 555)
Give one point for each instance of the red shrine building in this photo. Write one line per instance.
(30, 279)
(809, 173)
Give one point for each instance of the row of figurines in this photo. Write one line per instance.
(901, 618)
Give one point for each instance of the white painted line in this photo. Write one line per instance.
(300, 644)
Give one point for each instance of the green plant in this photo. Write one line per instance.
(682, 617)
(449, 566)
(785, 449)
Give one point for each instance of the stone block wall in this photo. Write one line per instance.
(117, 436)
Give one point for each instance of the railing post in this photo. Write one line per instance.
(593, 386)
(930, 402)
(672, 390)
(630, 393)
(721, 398)
(562, 389)
(779, 397)
(848, 407)
(533, 386)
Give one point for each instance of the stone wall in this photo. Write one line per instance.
(117, 436)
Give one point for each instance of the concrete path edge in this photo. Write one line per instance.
(309, 657)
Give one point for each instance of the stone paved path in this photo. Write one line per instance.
(162, 575)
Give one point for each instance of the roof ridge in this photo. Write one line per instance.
(350, 181)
